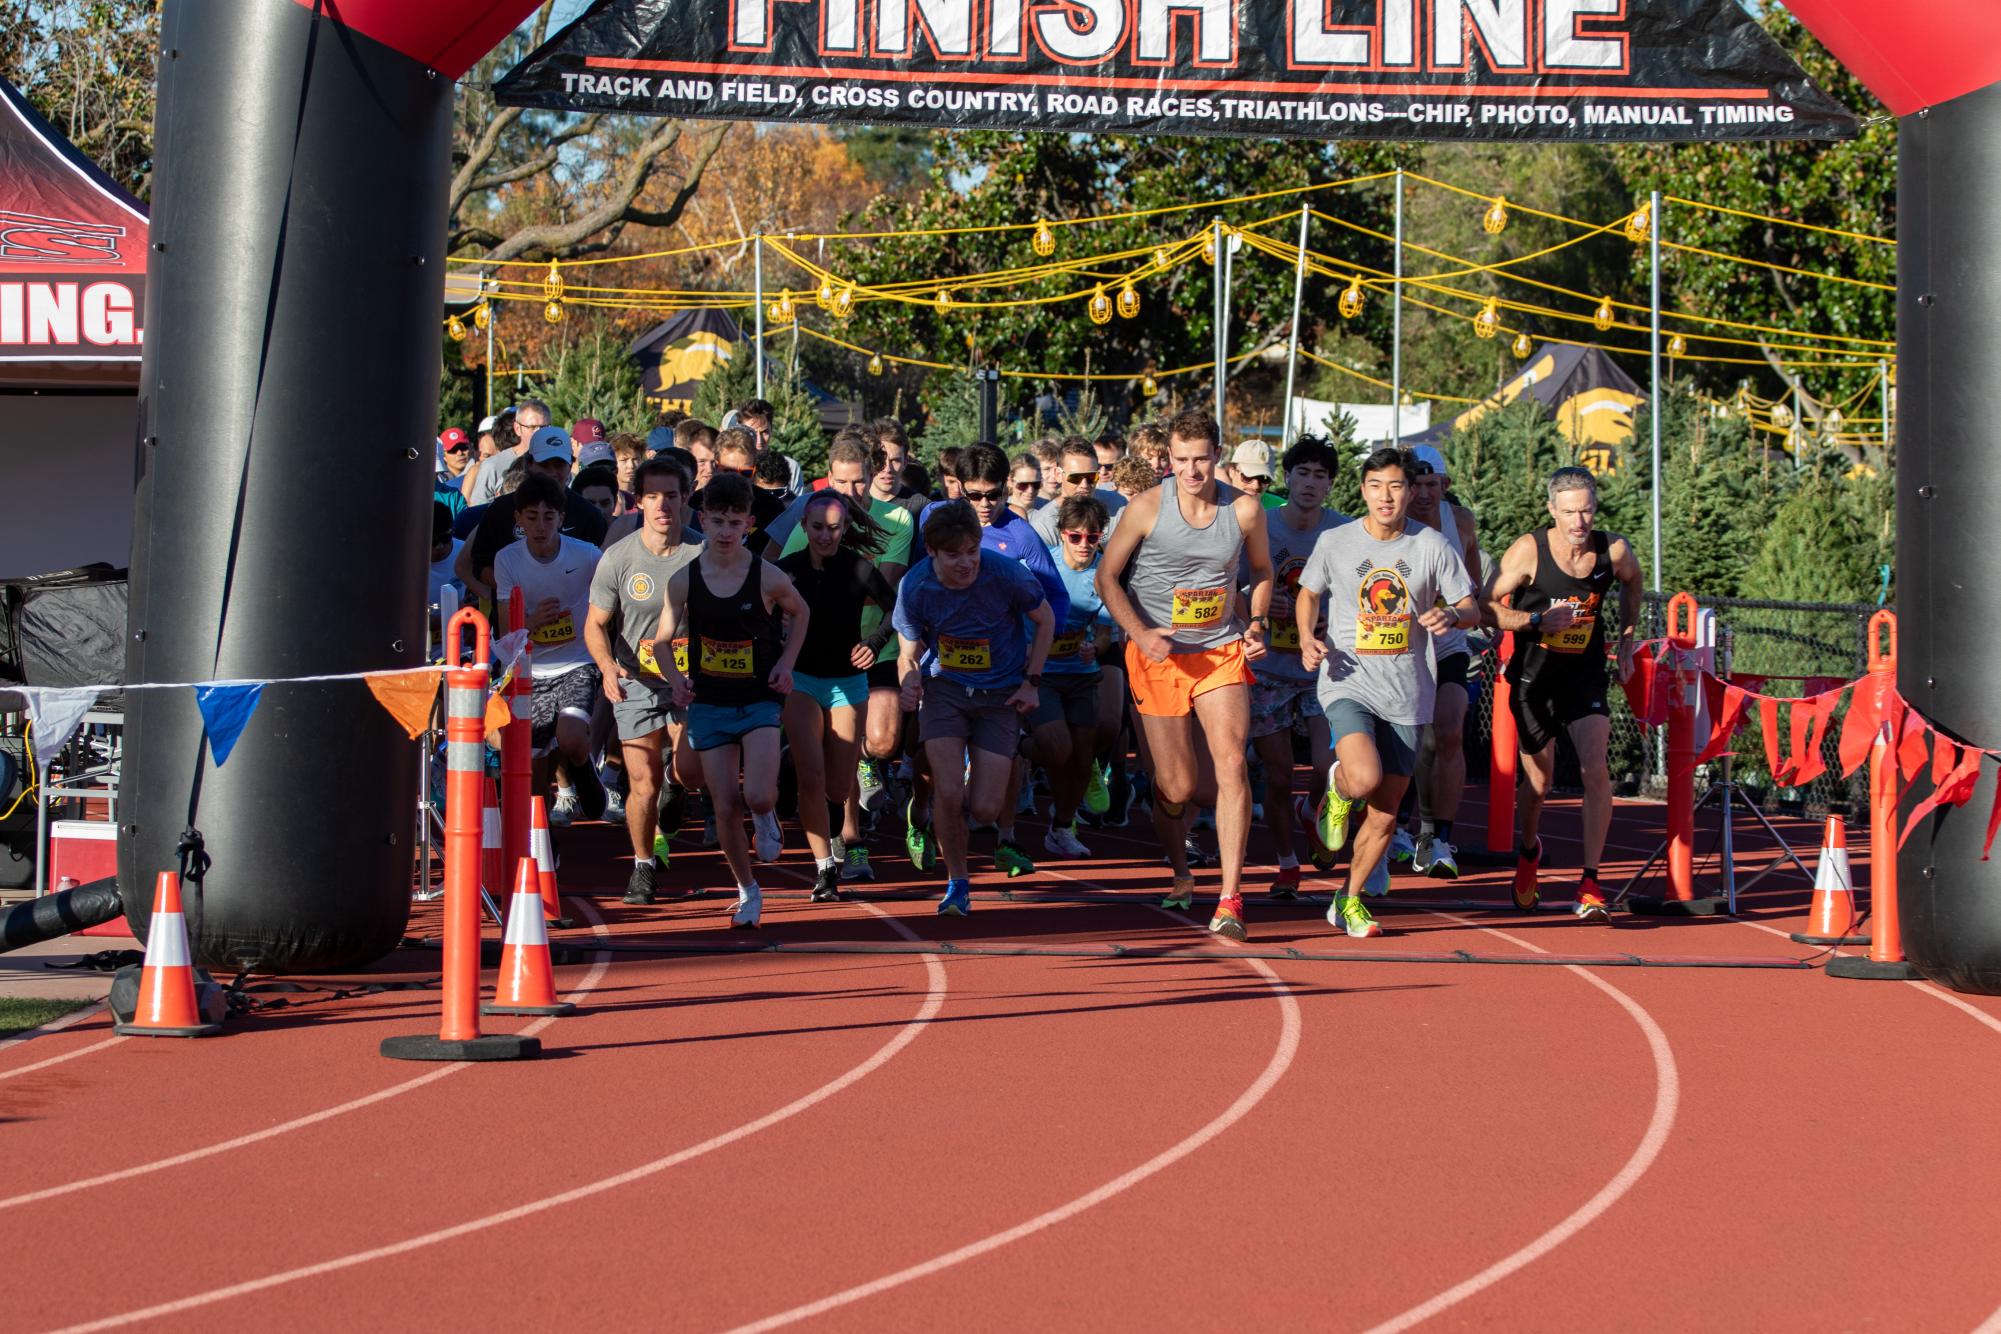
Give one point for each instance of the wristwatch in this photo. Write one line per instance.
(1261, 622)
(1535, 622)
(1034, 679)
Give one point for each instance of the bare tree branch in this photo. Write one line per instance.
(617, 208)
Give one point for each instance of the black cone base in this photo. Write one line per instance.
(563, 1007)
(1653, 907)
(490, 1047)
(135, 1031)
(1805, 939)
(1868, 970)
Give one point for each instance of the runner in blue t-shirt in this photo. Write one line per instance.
(1068, 727)
(967, 667)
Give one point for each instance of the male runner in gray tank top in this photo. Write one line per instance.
(1190, 645)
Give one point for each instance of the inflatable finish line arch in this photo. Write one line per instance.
(298, 269)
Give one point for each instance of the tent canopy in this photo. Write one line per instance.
(676, 353)
(1581, 388)
(72, 260)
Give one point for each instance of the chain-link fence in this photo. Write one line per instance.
(1800, 648)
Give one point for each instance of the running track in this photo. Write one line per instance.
(854, 1132)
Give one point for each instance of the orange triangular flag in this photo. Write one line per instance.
(499, 713)
(408, 697)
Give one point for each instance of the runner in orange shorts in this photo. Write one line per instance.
(1190, 645)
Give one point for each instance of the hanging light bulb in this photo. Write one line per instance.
(481, 316)
(944, 302)
(1100, 307)
(844, 302)
(1495, 220)
(1160, 257)
(552, 282)
(1601, 318)
(1677, 346)
(771, 313)
(1832, 423)
(1148, 386)
(1522, 346)
(1640, 225)
(1488, 322)
(1782, 416)
(553, 312)
(1350, 304)
(1209, 246)
(825, 296)
(1044, 240)
(456, 327)
(1128, 301)
(786, 307)
(875, 363)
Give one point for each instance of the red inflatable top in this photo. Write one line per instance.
(448, 36)
(1910, 55)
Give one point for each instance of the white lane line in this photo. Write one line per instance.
(934, 1001)
(58, 1060)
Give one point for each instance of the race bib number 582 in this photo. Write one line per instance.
(1197, 608)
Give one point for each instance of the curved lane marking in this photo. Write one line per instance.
(58, 1060)
(1667, 1100)
(934, 1001)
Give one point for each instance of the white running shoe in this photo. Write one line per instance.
(749, 907)
(1420, 857)
(1402, 849)
(1444, 863)
(770, 838)
(1063, 842)
(565, 809)
(1378, 883)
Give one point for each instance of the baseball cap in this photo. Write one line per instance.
(586, 429)
(595, 451)
(1429, 456)
(453, 439)
(487, 424)
(1253, 458)
(548, 442)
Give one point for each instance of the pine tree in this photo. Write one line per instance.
(954, 400)
(594, 378)
(796, 430)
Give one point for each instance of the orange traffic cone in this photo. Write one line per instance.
(1833, 914)
(167, 1007)
(543, 850)
(492, 866)
(527, 979)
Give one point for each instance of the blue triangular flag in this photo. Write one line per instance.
(225, 710)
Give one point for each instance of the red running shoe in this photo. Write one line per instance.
(1591, 905)
(1526, 894)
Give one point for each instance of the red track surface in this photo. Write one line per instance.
(1184, 1137)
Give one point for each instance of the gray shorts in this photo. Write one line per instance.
(1067, 697)
(981, 718)
(1396, 743)
(647, 709)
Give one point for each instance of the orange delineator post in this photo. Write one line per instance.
(1503, 756)
(459, 1038)
(517, 746)
(1681, 749)
(1885, 962)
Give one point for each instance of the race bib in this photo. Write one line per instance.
(1198, 608)
(1576, 637)
(1067, 646)
(1284, 637)
(965, 655)
(681, 655)
(1382, 635)
(726, 657)
(648, 664)
(559, 631)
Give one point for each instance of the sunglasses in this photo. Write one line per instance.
(1080, 478)
(1026, 486)
(979, 497)
(458, 449)
(1083, 539)
(741, 472)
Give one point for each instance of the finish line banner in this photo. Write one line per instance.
(1316, 69)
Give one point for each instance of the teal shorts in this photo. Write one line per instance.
(834, 692)
(713, 725)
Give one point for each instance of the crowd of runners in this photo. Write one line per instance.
(1086, 631)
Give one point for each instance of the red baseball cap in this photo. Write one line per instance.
(586, 429)
(453, 438)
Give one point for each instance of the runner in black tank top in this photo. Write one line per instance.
(732, 640)
(1559, 581)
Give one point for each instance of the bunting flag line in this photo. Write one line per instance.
(225, 710)
(408, 697)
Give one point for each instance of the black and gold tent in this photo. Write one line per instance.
(1580, 388)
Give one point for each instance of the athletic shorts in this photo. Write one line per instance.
(1545, 708)
(1279, 702)
(981, 718)
(834, 692)
(713, 725)
(1167, 689)
(1068, 697)
(882, 676)
(573, 694)
(1396, 743)
(1453, 669)
(647, 709)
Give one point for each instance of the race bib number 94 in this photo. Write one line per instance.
(1198, 608)
(965, 655)
(726, 657)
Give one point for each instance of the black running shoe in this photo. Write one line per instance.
(827, 887)
(639, 885)
(673, 809)
(590, 792)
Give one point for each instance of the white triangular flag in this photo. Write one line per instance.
(55, 712)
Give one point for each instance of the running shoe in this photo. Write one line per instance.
(1526, 894)
(1285, 888)
(663, 851)
(749, 907)
(590, 794)
(1334, 814)
(958, 900)
(673, 809)
(639, 885)
(1353, 916)
(565, 809)
(1591, 902)
(614, 806)
(1180, 895)
(1444, 863)
(1119, 812)
(1011, 857)
(770, 838)
(1063, 842)
(1229, 918)
(1097, 797)
(1402, 849)
(827, 885)
(1317, 852)
(1205, 818)
(856, 867)
(1378, 883)
(709, 830)
(917, 840)
(869, 780)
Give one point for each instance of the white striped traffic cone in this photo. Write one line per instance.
(167, 1007)
(527, 978)
(1833, 916)
(543, 850)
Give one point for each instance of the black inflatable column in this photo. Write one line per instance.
(1949, 511)
(288, 408)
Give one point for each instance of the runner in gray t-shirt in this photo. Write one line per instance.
(1383, 580)
(626, 594)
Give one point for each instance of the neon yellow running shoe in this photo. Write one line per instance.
(1097, 797)
(1353, 916)
(1335, 812)
(1181, 896)
(663, 850)
(917, 840)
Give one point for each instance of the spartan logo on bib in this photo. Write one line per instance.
(1383, 614)
(640, 586)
